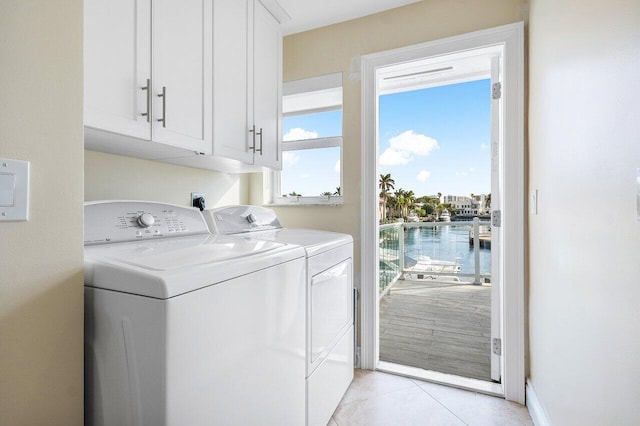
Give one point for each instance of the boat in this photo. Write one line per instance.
(412, 217)
(445, 216)
(423, 267)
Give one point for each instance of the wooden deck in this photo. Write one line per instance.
(438, 326)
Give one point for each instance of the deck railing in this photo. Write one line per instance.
(391, 251)
(455, 251)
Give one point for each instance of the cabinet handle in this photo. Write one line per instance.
(259, 150)
(163, 95)
(146, 114)
(253, 133)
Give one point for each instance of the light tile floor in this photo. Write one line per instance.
(376, 398)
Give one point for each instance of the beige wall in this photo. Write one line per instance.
(114, 177)
(41, 285)
(338, 48)
(584, 134)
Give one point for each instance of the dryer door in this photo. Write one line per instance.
(331, 306)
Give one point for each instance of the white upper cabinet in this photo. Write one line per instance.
(117, 64)
(182, 73)
(192, 82)
(267, 87)
(247, 83)
(148, 68)
(231, 79)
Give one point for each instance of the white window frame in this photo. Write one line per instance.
(318, 86)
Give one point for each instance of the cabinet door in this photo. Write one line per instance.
(117, 64)
(182, 67)
(231, 47)
(267, 83)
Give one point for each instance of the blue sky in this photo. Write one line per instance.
(438, 139)
(311, 172)
(431, 140)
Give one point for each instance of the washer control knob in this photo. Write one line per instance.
(251, 218)
(145, 220)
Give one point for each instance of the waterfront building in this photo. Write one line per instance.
(468, 206)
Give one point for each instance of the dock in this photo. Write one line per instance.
(484, 237)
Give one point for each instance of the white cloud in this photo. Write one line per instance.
(423, 175)
(484, 146)
(290, 159)
(298, 133)
(461, 174)
(336, 167)
(414, 143)
(472, 170)
(392, 157)
(403, 147)
(305, 176)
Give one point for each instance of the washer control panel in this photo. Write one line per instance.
(108, 222)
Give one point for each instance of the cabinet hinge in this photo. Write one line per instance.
(496, 218)
(496, 91)
(496, 346)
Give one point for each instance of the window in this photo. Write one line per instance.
(312, 143)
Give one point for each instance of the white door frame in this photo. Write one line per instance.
(511, 37)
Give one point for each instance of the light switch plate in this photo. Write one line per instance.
(638, 193)
(7, 189)
(14, 190)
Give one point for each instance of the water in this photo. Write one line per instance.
(449, 243)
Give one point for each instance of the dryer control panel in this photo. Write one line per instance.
(119, 221)
(241, 219)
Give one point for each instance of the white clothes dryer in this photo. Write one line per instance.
(187, 328)
(329, 299)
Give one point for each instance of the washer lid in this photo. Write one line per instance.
(314, 241)
(169, 267)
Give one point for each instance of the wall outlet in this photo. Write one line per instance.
(195, 200)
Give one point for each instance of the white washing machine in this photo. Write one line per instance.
(329, 303)
(187, 328)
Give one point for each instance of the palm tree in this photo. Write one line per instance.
(400, 200)
(386, 184)
(395, 202)
(410, 198)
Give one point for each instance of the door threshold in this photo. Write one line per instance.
(466, 383)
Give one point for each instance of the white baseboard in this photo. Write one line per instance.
(536, 411)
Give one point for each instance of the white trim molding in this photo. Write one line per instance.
(511, 39)
(536, 410)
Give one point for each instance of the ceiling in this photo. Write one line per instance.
(309, 14)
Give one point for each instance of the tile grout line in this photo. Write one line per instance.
(375, 396)
(439, 402)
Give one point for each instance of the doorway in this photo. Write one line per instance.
(435, 313)
(499, 52)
